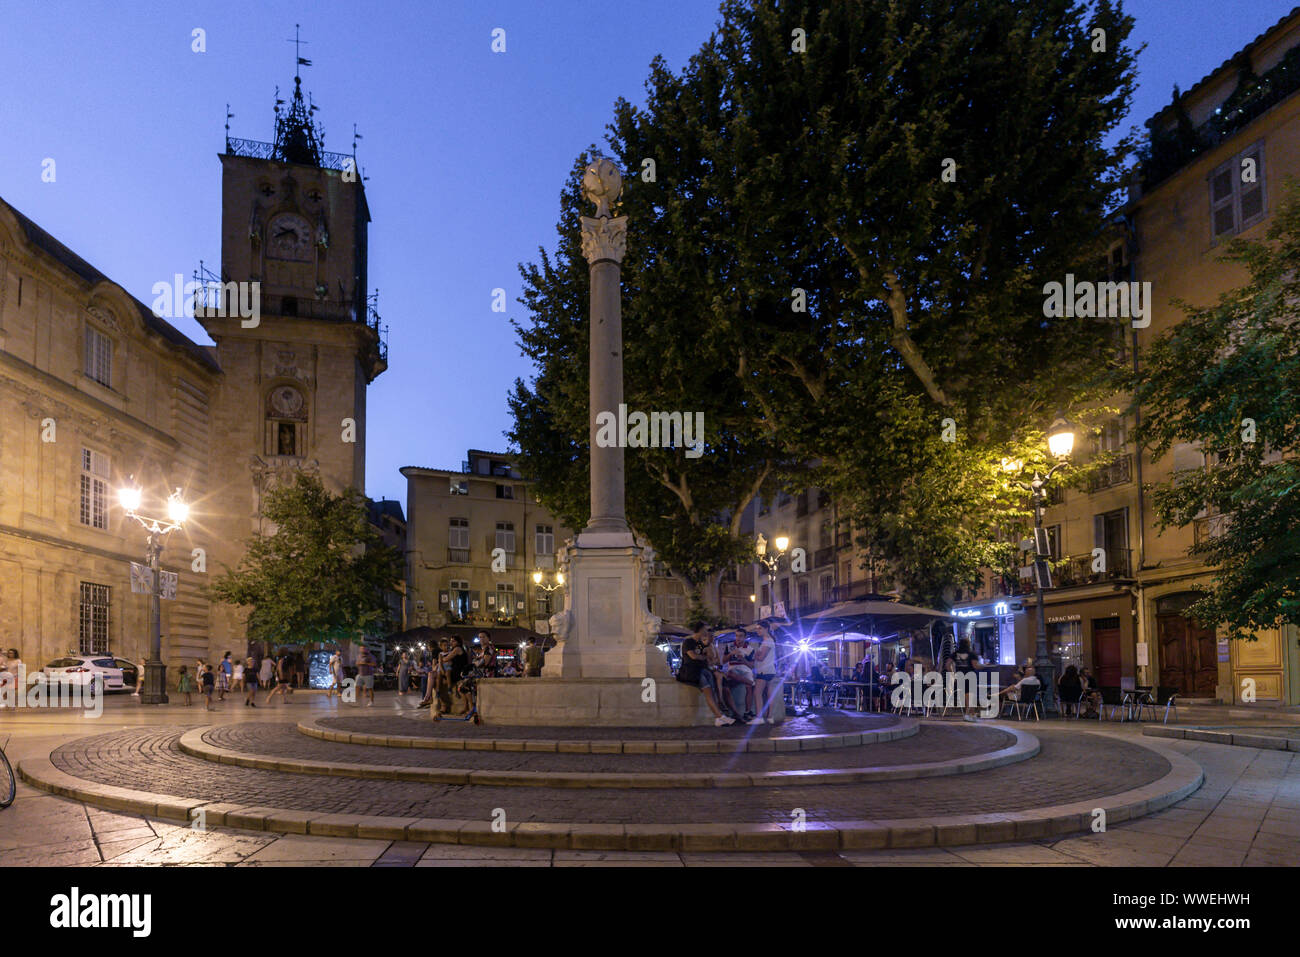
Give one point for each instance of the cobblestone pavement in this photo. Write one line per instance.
(931, 743)
(417, 723)
(1247, 813)
(1065, 770)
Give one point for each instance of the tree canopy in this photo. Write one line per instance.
(853, 210)
(320, 575)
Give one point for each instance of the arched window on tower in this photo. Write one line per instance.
(286, 422)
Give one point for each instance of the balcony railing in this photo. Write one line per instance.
(1210, 527)
(1116, 473)
(1077, 569)
(257, 149)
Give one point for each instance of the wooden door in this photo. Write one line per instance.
(1106, 657)
(1188, 659)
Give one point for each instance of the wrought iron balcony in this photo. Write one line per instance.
(1209, 527)
(256, 149)
(1077, 569)
(1116, 473)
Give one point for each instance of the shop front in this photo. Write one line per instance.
(993, 630)
(1090, 629)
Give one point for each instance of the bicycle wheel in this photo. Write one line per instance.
(8, 783)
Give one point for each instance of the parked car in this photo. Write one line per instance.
(112, 674)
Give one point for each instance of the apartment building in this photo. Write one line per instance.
(475, 536)
(1219, 157)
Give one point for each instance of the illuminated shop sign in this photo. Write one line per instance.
(997, 611)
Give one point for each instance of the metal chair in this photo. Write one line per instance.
(1028, 702)
(1165, 697)
(1112, 698)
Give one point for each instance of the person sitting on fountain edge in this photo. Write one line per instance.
(694, 670)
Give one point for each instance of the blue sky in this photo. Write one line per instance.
(466, 151)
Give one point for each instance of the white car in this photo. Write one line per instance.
(111, 674)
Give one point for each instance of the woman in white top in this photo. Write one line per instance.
(264, 673)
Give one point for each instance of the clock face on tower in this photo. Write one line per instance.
(289, 237)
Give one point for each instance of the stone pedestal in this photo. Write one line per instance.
(585, 702)
(605, 629)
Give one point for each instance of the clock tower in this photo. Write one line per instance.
(294, 222)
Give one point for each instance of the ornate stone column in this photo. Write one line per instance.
(604, 241)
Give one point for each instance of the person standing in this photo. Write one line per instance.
(250, 684)
(11, 673)
(694, 670)
(139, 678)
(264, 672)
(186, 686)
(237, 679)
(403, 673)
(226, 673)
(366, 674)
(207, 682)
(765, 681)
(336, 674)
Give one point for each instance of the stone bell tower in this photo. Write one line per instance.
(294, 229)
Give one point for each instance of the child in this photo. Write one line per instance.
(186, 686)
(250, 684)
(209, 680)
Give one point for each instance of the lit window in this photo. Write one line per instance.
(94, 489)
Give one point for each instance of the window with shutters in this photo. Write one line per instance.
(94, 488)
(506, 537)
(1237, 193)
(99, 357)
(458, 540)
(545, 544)
(95, 603)
(459, 608)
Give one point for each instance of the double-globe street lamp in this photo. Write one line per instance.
(1060, 443)
(771, 562)
(155, 672)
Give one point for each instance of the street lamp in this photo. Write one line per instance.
(1060, 443)
(539, 580)
(155, 672)
(771, 561)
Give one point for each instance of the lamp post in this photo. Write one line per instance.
(1060, 443)
(771, 562)
(155, 672)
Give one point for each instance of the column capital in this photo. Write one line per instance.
(604, 238)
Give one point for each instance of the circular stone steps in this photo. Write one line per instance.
(264, 747)
(460, 736)
(1059, 791)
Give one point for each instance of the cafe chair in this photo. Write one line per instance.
(1028, 702)
(1165, 697)
(1112, 698)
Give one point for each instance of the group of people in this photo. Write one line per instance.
(748, 661)
(231, 676)
(448, 680)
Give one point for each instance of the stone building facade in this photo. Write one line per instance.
(97, 390)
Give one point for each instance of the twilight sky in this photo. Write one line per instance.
(466, 151)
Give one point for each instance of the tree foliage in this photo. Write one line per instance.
(320, 575)
(823, 171)
(1228, 378)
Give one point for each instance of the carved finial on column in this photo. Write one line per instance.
(605, 236)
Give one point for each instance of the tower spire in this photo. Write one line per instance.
(297, 138)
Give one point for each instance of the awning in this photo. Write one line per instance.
(871, 617)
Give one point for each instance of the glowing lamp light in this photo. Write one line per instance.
(782, 543)
(177, 510)
(1060, 439)
(559, 578)
(537, 578)
(1011, 466)
(130, 498)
